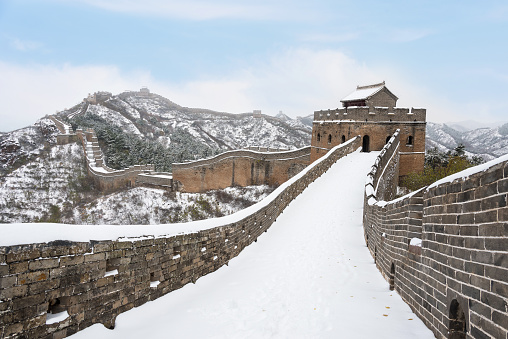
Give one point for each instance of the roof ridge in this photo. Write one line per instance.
(370, 86)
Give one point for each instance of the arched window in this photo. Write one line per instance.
(318, 137)
(457, 325)
(329, 138)
(409, 140)
(392, 277)
(365, 144)
(388, 139)
(343, 138)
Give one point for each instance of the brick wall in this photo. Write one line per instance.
(461, 266)
(95, 281)
(242, 168)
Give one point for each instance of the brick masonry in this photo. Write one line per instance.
(240, 168)
(95, 281)
(378, 124)
(463, 257)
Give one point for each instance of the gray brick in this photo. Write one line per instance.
(500, 288)
(492, 175)
(501, 259)
(493, 230)
(4, 270)
(72, 260)
(478, 269)
(43, 264)
(7, 282)
(486, 191)
(471, 292)
(484, 257)
(500, 319)
(493, 301)
(502, 186)
(485, 217)
(480, 308)
(494, 202)
(465, 218)
(495, 244)
(13, 292)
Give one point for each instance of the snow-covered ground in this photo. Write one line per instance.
(309, 276)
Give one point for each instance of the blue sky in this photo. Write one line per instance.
(450, 57)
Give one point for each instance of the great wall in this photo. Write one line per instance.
(442, 248)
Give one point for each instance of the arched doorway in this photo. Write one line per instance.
(457, 326)
(388, 139)
(392, 277)
(365, 144)
(343, 138)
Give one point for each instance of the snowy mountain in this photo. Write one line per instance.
(155, 117)
(487, 142)
(42, 181)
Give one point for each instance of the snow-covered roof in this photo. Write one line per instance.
(364, 92)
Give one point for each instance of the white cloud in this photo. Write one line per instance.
(408, 34)
(31, 92)
(203, 10)
(298, 82)
(25, 45)
(331, 38)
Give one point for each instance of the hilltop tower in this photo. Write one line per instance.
(371, 112)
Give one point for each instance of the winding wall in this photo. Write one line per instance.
(106, 178)
(444, 248)
(93, 282)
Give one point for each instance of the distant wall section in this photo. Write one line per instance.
(106, 178)
(240, 168)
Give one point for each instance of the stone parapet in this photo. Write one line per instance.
(444, 249)
(92, 282)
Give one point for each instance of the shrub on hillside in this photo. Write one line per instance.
(439, 165)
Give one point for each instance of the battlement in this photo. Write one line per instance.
(373, 114)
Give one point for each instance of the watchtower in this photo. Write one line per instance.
(371, 112)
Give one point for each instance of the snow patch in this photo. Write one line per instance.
(56, 318)
(416, 242)
(113, 272)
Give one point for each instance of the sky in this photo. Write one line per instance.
(238, 56)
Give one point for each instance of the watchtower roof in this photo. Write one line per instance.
(366, 92)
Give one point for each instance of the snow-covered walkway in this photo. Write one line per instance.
(309, 276)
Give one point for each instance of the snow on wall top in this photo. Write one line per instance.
(16, 234)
